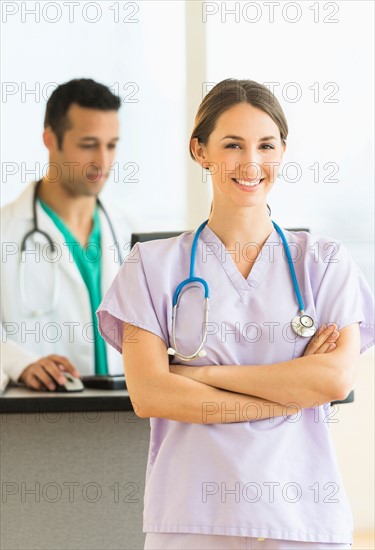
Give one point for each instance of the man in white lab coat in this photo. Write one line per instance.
(49, 293)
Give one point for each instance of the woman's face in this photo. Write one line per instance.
(244, 153)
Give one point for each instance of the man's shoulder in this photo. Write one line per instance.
(21, 206)
(121, 216)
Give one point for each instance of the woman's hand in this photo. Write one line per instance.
(323, 341)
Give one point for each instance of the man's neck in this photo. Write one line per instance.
(76, 211)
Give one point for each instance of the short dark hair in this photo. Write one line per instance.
(84, 92)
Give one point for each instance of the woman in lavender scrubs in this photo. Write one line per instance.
(240, 453)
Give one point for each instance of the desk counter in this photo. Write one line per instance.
(72, 470)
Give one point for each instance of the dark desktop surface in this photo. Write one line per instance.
(17, 398)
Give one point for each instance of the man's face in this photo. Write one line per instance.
(87, 152)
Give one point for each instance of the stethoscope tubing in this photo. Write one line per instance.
(297, 323)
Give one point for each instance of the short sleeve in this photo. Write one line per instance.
(344, 296)
(128, 300)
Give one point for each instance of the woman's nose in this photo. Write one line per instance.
(251, 166)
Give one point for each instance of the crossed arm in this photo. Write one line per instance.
(305, 380)
(184, 393)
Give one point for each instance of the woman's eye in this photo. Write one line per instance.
(231, 145)
(235, 145)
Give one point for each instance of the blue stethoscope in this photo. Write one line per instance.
(302, 324)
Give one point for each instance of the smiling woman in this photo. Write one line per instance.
(208, 420)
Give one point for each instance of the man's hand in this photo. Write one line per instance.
(323, 341)
(43, 374)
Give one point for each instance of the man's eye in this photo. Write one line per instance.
(112, 146)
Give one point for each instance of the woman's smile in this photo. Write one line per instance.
(248, 185)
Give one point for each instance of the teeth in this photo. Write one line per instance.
(248, 183)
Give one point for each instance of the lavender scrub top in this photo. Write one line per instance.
(274, 478)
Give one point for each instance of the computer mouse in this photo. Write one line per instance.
(72, 384)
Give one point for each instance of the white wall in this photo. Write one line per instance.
(142, 59)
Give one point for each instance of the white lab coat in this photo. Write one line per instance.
(68, 329)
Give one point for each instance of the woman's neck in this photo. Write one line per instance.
(242, 226)
(243, 234)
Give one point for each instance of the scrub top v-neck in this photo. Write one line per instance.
(244, 286)
(88, 262)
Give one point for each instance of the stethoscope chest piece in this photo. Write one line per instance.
(303, 325)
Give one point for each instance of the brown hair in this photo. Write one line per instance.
(228, 93)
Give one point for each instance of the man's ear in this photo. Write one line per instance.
(49, 139)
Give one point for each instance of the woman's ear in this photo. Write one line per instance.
(198, 150)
